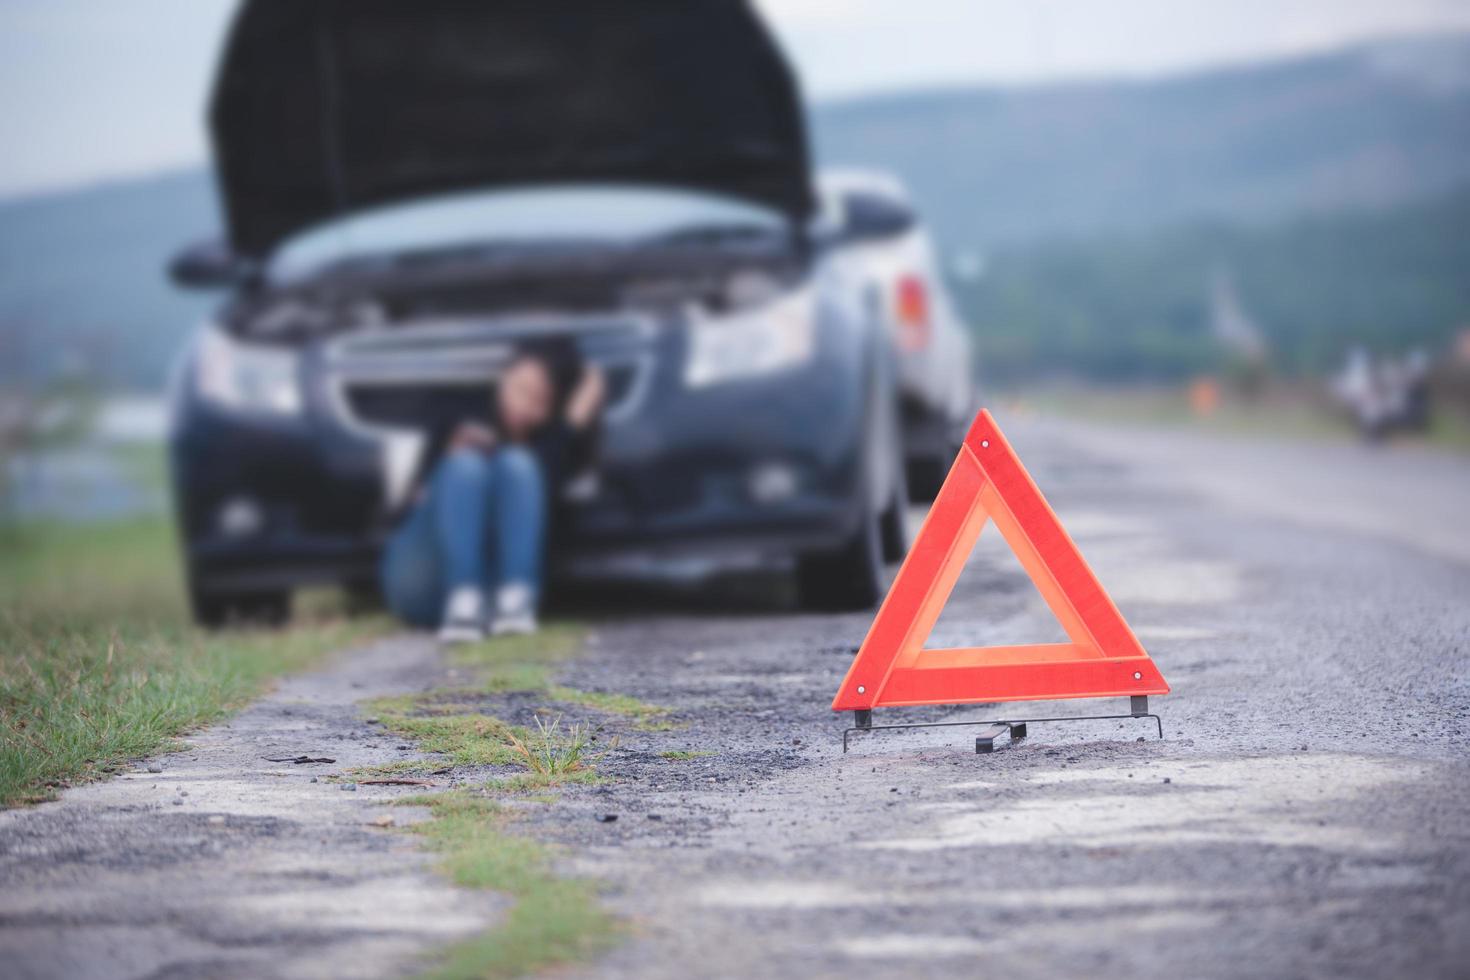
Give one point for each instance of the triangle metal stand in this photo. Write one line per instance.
(1015, 728)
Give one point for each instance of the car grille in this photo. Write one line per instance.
(401, 379)
(404, 404)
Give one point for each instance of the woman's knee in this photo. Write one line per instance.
(465, 466)
(517, 465)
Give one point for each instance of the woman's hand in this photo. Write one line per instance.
(472, 435)
(587, 397)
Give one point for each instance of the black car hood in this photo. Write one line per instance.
(323, 107)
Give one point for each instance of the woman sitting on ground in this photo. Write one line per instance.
(477, 525)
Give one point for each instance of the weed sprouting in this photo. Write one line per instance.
(551, 753)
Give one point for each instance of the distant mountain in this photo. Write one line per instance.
(1371, 126)
(81, 273)
(82, 285)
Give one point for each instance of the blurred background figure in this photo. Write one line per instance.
(1386, 395)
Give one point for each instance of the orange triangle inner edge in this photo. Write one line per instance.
(988, 484)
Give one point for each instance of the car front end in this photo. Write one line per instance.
(640, 186)
(730, 437)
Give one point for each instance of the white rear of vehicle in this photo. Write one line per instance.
(887, 243)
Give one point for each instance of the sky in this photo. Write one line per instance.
(95, 90)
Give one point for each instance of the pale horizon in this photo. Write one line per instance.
(92, 93)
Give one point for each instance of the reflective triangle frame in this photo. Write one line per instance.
(1103, 657)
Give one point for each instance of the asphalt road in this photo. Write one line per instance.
(1307, 814)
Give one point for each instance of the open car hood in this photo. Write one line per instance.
(324, 107)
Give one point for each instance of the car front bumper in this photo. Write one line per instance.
(736, 474)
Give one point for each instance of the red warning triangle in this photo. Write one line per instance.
(988, 482)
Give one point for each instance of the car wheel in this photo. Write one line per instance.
(926, 475)
(215, 610)
(849, 578)
(893, 523)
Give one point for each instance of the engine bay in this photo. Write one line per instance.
(401, 292)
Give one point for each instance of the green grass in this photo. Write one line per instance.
(447, 723)
(527, 664)
(524, 784)
(463, 738)
(684, 755)
(98, 662)
(550, 755)
(99, 666)
(521, 663)
(551, 752)
(1294, 416)
(1451, 429)
(554, 920)
(649, 717)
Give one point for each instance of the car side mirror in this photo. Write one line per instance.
(209, 265)
(870, 217)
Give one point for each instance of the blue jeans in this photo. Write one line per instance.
(481, 523)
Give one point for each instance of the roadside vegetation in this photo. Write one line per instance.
(452, 724)
(526, 664)
(555, 920)
(1140, 306)
(548, 753)
(99, 664)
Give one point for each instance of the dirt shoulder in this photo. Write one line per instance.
(226, 864)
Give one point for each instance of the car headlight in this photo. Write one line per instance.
(774, 336)
(246, 378)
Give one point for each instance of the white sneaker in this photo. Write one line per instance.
(464, 616)
(515, 611)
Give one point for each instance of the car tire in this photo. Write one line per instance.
(893, 523)
(926, 475)
(216, 610)
(848, 578)
(851, 577)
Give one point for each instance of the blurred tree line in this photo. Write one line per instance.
(1140, 306)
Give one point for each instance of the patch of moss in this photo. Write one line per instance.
(615, 704)
(554, 921)
(464, 740)
(521, 663)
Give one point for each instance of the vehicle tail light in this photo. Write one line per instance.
(912, 313)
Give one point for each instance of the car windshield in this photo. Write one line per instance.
(611, 214)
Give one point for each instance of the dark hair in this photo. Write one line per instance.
(563, 361)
